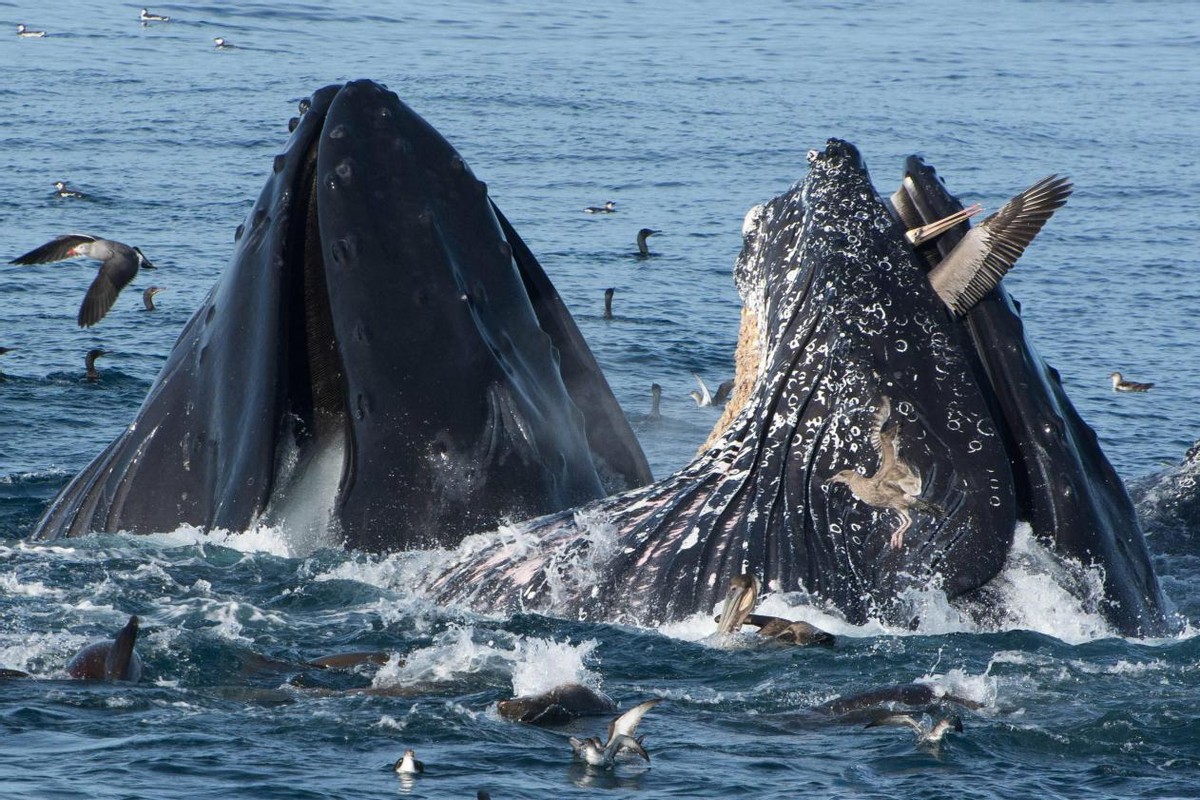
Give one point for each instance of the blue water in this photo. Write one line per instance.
(686, 114)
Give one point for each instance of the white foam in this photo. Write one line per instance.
(541, 664)
(10, 584)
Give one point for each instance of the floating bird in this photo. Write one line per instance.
(224, 45)
(621, 733)
(655, 402)
(643, 250)
(929, 736)
(146, 16)
(408, 764)
(120, 265)
(609, 207)
(4, 350)
(148, 297)
(1122, 385)
(988, 251)
(60, 188)
(740, 601)
(25, 33)
(895, 484)
(90, 362)
(702, 397)
(608, 296)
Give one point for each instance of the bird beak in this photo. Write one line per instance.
(920, 235)
(739, 602)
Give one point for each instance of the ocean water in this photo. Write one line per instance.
(685, 114)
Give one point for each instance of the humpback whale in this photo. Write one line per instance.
(841, 323)
(115, 660)
(383, 341)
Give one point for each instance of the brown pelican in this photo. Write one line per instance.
(120, 265)
(146, 16)
(609, 207)
(90, 362)
(60, 189)
(608, 296)
(988, 251)
(643, 250)
(918, 236)
(740, 601)
(1122, 385)
(895, 484)
(26, 33)
(621, 736)
(148, 297)
(932, 735)
(408, 764)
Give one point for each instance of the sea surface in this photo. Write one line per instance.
(685, 114)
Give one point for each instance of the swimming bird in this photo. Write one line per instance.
(989, 250)
(655, 402)
(26, 33)
(4, 350)
(90, 362)
(621, 732)
(740, 601)
(609, 207)
(408, 764)
(643, 250)
(929, 736)
(608, 296)
(60, 188)
(148, 297)
(224, 45)
(1122, 385)
(146, 16)
(702, 397)
(120, 265)
(895, 484)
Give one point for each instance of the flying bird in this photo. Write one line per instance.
(989, 250)
(120, 264)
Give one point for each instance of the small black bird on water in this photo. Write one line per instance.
(90, 363)
(146, 16)
(608, 296)
(643, 250)
(148, 297)
(120, 266)
(609, 207)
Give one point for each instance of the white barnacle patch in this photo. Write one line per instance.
(901, 346)
(691, 540)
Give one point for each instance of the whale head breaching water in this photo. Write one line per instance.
(840, 320)
(388, 392)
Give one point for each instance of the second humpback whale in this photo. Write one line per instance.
(383, 362)
(841, 322)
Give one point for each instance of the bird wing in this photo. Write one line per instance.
(881, 416)
(901, 720)
(114, 275)
(626, 724)
(986, 253)
(623, 742)
(705, 397)
(57, 249)
(99, 299)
